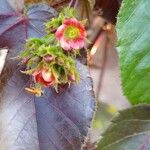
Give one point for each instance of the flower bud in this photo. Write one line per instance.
(72, 78)
(44, 77)
(48, 58)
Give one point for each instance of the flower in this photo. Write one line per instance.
(71, 34)
(44, 77)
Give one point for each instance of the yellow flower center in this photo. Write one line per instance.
(71, 32)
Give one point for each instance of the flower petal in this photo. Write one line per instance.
(60, 30)
(77, 44)
(74, 45)
(72, 21)
(64, 44)
(81, 43)
(47, 76)
(37, 78)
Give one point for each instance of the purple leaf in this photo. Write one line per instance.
(67, 115)
(53, 121)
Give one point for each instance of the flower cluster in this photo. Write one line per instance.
(50, 60)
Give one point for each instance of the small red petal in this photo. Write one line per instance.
(37, 77)
(72, 21)
(60, 30)
(65, 44)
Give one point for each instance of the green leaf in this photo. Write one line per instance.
(130, 130)
(133, 28)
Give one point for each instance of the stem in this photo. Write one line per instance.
(76, 3)
(102, 70)
(73, 3)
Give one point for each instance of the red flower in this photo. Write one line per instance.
(44, 77)
(71, 34)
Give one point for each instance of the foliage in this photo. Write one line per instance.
(39, 1)
(129, 130)
(84, 7)
(133, 44)
(53, 121)
(61, 120)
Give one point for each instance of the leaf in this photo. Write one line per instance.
(52, 122)
(129, 130)
(133, 44)
(57, 4)
(66, 115)
(84, 7)
(109, 9)
(17, 4)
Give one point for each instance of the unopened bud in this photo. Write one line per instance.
(72, 77)
(48, 58)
